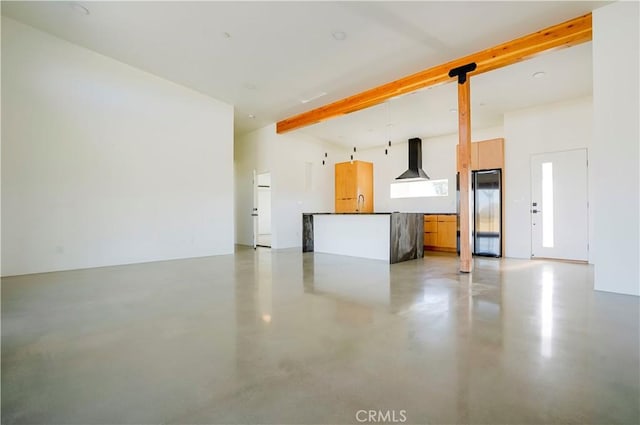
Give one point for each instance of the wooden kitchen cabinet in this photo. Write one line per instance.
(447, 228)
(345, 176)
(430, 231)
(354, 187)
(440, 232)
(490, 154)
(430, 239)
(485, 155)
(346, 205)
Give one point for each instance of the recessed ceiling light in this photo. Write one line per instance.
(339, 35)
(252, 116)
(79, 9)
(453, 110)
(539, 74)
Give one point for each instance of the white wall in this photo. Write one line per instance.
(286, 156)
(104, 164)
(248, 155)
(615, 153)
(548, 128)
(438, 161)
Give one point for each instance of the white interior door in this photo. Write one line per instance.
(254, 210)
(559, 205)
(263, 189)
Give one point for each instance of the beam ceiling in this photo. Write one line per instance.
(566, 34)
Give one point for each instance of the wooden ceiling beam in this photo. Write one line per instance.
(566, 34)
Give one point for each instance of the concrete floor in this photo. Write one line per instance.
(284, 337)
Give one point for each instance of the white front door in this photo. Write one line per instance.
(559, 205)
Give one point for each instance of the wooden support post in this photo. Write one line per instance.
(464, 140)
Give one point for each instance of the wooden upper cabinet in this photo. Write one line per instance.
(345, 181)
(354, 187)
(485, 155)
(490, 154)
(365, 185)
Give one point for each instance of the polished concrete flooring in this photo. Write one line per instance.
(285, 337)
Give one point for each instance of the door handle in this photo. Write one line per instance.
(535, 211)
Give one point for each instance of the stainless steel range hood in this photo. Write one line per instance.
(415, 171)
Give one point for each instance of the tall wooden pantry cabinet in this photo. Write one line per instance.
(354, 187)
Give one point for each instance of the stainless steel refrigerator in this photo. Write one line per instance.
(486, 198)
(487, 214)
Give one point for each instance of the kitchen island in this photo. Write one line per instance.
(390, 237)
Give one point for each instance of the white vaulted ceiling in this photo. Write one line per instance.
(265, 57)
(433, 111)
